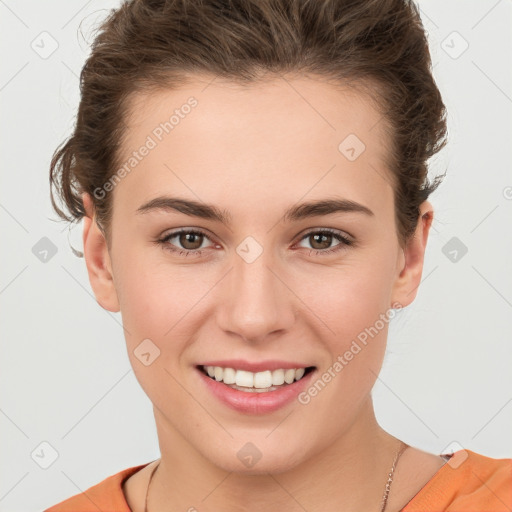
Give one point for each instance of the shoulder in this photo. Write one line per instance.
(106, 496)
(468, 482)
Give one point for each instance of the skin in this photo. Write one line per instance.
(255, 151)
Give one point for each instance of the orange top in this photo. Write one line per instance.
(467, 482)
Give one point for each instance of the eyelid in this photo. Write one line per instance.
(187, 229)
(335, 231)
(346, 240)
(178, 231)
(298, 238)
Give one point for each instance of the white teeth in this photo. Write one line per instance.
(229, 376)
(243, 378)
(299, 373)
(263, 379)
(259, 380)
(289, 376)
(277, 377)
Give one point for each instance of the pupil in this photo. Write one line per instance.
(189, 238)
(327, 236)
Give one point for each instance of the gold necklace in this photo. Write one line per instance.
(387, 487)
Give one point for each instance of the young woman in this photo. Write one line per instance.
(252, 176)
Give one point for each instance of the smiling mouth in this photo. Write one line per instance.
(259, 382)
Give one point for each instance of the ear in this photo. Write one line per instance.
(97, 259)
(411, 261)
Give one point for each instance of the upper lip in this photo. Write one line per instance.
(254, 367)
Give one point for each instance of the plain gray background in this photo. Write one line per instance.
(65, 376)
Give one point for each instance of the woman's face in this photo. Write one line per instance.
(265, 287)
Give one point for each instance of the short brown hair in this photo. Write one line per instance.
(378, 46)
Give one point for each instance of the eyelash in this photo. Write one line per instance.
(345, 242)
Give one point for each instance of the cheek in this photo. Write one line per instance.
(353, 301)
(355, 307)
(351, 298)
(151, 299)
(163, 304)
(154, 313)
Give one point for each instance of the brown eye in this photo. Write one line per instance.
(321, 240)
(185, 241)
(190, 240)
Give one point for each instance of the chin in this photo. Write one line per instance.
(251, 460)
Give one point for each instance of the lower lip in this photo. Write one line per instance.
(255, 403)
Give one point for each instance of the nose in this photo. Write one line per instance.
(255, 301)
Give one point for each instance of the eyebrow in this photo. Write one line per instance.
(292, 214)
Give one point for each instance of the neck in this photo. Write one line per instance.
(349, 475)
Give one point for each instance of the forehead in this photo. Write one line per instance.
(277, 138)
